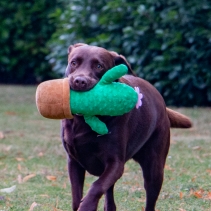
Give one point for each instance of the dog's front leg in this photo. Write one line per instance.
(113, 171)
(109, 204)
(76, 175)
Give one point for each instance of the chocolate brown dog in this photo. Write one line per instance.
(142, 134)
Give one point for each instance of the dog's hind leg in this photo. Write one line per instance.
(152, 157)
(109, 200)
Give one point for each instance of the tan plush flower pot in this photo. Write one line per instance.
(53, 99)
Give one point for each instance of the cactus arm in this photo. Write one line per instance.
(114, 74)
(96, 125)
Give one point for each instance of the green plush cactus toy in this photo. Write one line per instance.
(106, 98)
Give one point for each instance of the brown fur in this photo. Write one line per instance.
(142, 134)
(178, 120)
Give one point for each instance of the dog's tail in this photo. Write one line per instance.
(178, 120)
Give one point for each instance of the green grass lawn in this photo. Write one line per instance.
(33, 162)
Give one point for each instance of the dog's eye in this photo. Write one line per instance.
(99, 66)
(73, 63)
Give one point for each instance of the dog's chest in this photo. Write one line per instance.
(91, 156)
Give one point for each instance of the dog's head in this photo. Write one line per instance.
(87, 64)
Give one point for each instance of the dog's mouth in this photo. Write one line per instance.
(82, 83)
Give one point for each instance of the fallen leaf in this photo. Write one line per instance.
(167, 167)
(40, 154)
(52, 178)
(19, 179)
(141, 200)
(196, 148)
(33, 205)
(199, 159)
(191, 192)
(28, 177)
(181, 195)
(198, 194)
(8, 190)
(45, 195)
(11, 113)
(19, 166)
(20, 159)
(173, 142)
(193, 179)
(209, 171)
(2, 135)
(208, 196)
(206, 155)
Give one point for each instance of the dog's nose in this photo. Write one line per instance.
(80, 82)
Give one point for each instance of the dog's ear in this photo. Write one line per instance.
(120, 59)
(70, 48)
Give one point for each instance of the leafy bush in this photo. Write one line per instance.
(167, 42)
(26, 26)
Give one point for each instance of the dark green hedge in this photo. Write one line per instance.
(25, 28)
(168, 42)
